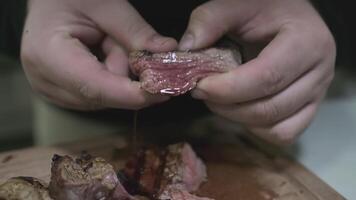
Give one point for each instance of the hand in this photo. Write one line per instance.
(59, 65)
(276, 93)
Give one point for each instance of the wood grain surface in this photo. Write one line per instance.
(237, 170)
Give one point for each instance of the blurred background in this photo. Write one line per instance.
(328, 147)
(15, 100)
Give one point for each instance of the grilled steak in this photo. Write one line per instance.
(84, 178)
(183, 169)
(24, 188)
(175, 73)
(166, 173)
(169, 173)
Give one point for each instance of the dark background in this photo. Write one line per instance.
(339, 15)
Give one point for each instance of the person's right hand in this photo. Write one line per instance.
(59, 65)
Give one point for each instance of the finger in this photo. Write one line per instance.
(65, 99)
(272, 109)
(55, 94)
(280, 63)
(75, 69)
(122, 22)
(51, 92)
(116, 59)
(210, 21)
(286, 131)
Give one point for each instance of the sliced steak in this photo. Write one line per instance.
(166, 173)
(142, 171)
(175, 73)
(183, 168)
(24, 188)
(84, 178)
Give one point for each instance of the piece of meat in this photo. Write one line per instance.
(175, 73)
(142, 171)
(184, 172)
(24, 188)
(85, 178)
(165, 173)
(183, 168)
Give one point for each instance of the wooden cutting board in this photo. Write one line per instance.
(237, 170)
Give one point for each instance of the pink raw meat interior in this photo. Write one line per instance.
(175, 73)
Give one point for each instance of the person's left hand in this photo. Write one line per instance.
(275, 94)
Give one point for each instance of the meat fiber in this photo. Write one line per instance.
(168, 173)
(24, 188)
(175, 73)
(85, 178)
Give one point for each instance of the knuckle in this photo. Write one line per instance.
(140, 35)
(40, 87)
(271, 81)
(328, 78)
(204, 20)
(202, 14)
(326, 45)
(283, 135)
(27, 56)
(328, 40)
(91, 95)
(331, 76)
(267, 112)
(137, 103)
(222, 95)
(223, 91)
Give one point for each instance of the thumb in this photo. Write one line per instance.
(209, 22)
(123, 23)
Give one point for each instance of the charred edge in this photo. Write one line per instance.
(226, 42)
(56, 157)
(140, 54)
(122, 177)
(158, 180)
(88, 166)
(134, 186)
(242, 54)
(28, 179)
(141, 160)
(145, 53)
(32, 181)
(85, 155)
(85, 161)
(131, 186)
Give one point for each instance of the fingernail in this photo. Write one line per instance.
(198, 94)
(162, 43)
(187, 42)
